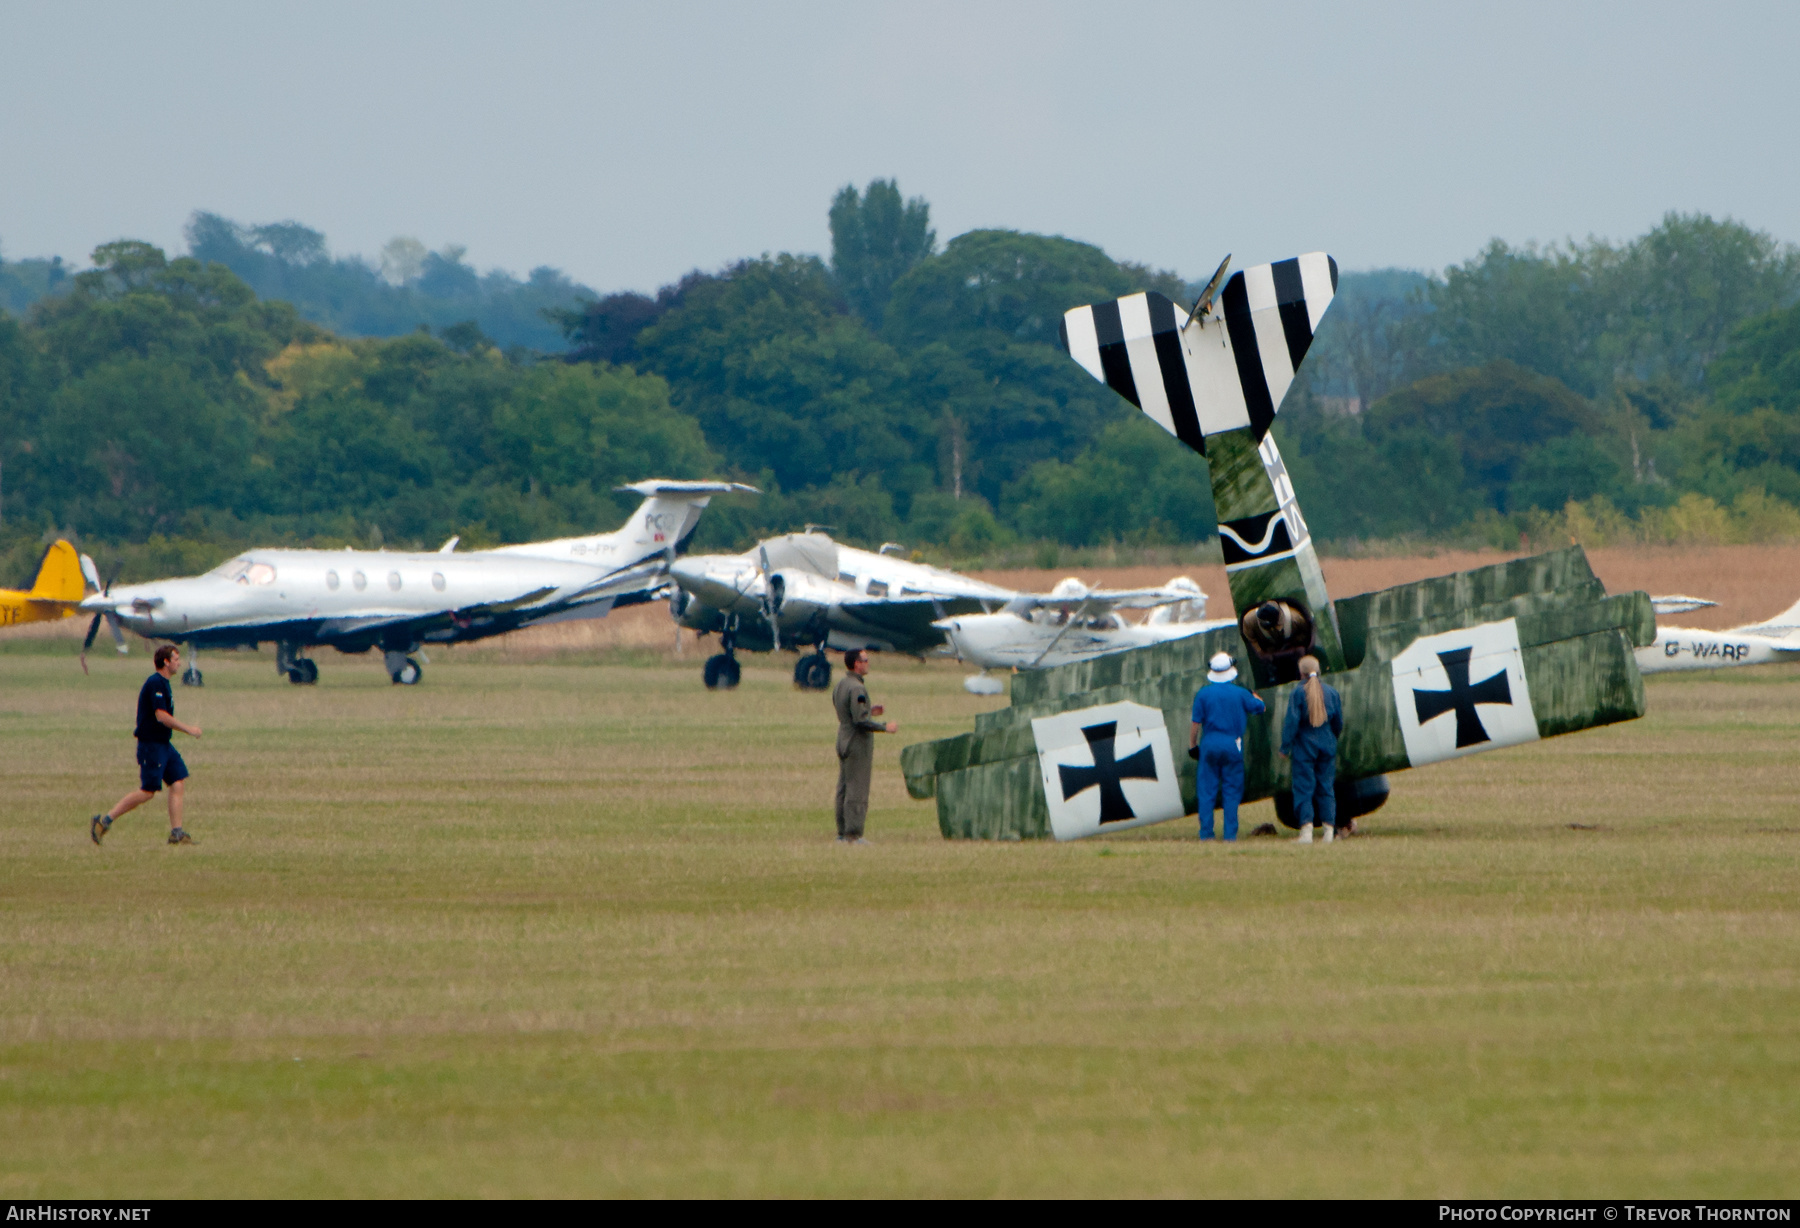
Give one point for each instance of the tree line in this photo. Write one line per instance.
(172, 409)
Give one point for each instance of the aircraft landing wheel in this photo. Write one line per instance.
(192, 677)
(1355, 798)
(409, 673)
(813, 672)
(721, 671)
(305, 672)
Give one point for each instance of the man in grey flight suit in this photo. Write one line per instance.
(855, 746)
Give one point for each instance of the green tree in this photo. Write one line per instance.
(592, 428)
(1494, 414)
(875, 239)
(782, 380)
(1004, 281)
(1676, 294)
(1134, 484)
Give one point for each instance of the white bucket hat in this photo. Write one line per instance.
(1220, 668)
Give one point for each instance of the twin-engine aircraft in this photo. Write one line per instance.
(806, 590)
(56, 593)
(1686, 648)
(1073, 623)
(357, 600)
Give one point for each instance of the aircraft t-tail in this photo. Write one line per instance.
(1436, 670)
(357, 600)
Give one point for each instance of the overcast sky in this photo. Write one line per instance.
(627, 144)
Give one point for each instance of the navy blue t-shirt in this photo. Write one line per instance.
(153, 698)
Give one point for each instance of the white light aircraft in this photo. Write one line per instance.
(1073, 623)
(804, 589)
(1680, 648)
(356, 600)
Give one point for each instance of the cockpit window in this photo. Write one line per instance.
(232, 569)
(258, 573)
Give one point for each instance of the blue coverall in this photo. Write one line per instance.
(1313, 752)
(1223, 711)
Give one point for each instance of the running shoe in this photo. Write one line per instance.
(178, 836)
(98, 826)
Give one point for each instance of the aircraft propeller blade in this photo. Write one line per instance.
(118, 633)
(93, 630)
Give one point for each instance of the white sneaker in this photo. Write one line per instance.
(1305, 836)
(1327, 833)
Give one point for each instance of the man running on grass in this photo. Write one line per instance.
(159, 763)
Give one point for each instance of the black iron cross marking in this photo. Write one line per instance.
(1107, 773)
(1462, 697)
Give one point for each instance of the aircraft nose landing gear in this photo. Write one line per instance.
(721, 669)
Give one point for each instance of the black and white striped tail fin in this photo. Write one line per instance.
(1201, 375)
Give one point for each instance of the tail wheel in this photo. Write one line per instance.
(721, 671)
(409, 673)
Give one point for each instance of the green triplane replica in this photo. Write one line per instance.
(1435, 670)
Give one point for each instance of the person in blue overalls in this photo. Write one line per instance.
(1222, 712)
(1309, 737)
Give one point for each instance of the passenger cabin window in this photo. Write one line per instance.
(359, 580)
(877, 588)
(394, 580)
(437, 581)
(258, 573)
(331, 580)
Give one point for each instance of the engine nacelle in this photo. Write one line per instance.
(799, 600)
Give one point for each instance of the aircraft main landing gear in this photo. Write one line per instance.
(1355, 798)
(404, 670)
(301, 671)
(721, 669)
(812, 672)
(191, 676)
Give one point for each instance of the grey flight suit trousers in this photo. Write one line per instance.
(856, 755)
(854, 771)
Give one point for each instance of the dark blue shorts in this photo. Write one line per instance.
(159, 764)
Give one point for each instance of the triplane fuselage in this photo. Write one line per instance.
(1435, 670)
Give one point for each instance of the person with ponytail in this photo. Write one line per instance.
(1309, 737)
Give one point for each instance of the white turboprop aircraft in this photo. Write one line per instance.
(355, 600)
(1687, 648)
(804, 589)
(1073, 623)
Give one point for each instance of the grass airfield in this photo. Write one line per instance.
(577, 928)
